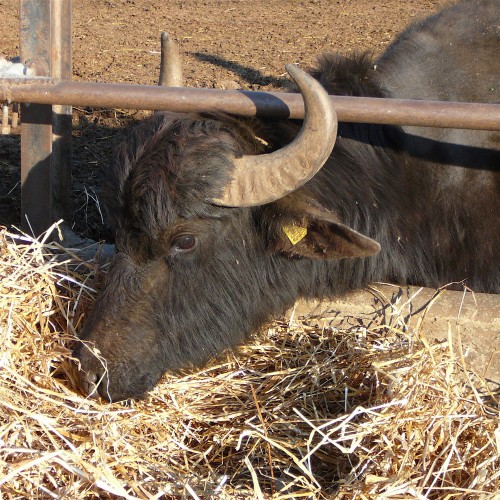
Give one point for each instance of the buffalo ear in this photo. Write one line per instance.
(323, 240)
(309, 230)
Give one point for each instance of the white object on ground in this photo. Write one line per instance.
(10, 69)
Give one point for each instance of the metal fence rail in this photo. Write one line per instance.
(247, 103)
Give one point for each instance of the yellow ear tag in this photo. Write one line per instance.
(295, 233)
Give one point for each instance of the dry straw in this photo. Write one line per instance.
(304, 411)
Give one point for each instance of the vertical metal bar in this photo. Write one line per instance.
(46, 130)
(61, 68)
(36, 127)
(5, 119)
(15, 114)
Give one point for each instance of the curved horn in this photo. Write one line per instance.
(170, 64)
(260, 179)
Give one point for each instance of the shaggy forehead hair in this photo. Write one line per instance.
(170, 165)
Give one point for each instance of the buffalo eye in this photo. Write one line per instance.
(184, 243)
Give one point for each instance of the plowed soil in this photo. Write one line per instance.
(223, 43)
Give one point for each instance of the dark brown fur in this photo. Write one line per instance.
(430, 198)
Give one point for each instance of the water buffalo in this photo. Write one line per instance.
(223, 222)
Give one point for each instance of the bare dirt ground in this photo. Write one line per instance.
(224, 44)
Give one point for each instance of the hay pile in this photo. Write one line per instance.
(302, 412)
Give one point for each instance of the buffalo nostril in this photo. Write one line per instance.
(89, 382)
(91, 377)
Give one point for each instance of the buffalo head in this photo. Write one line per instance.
(214, 235)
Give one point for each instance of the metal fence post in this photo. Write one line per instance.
(45, 130)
